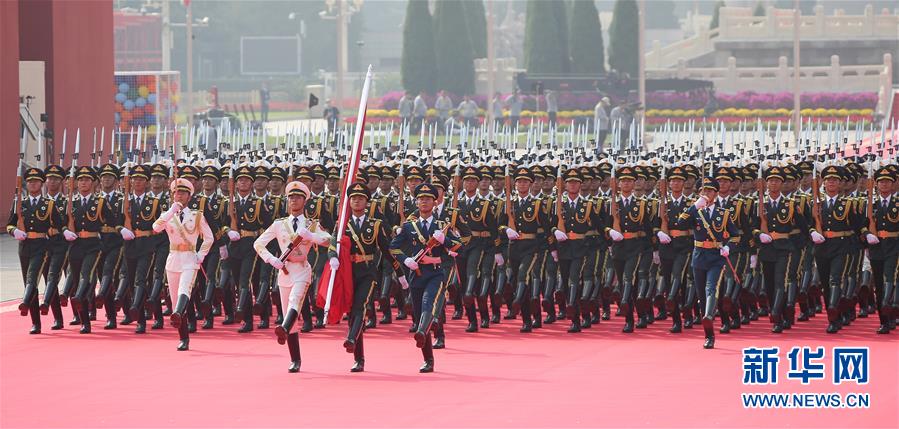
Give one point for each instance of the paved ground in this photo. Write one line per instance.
(10, 273)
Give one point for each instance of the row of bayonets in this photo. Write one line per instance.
(688, 139)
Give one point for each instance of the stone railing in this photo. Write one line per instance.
(832, 78)
(738, 23)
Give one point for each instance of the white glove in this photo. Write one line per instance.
(663, 238)
(438, 235)
(404, 283)
(397, 230)
(872, 239)
(560, 236)
(177, 207)
(127, 235)
(764, 238)
(335, 263)
(411, 264)
(233, 235)
(168, 214)
(200, 259)
(616, 236)
(655, 258)
(753, 261)
(725, 251)
(451, 253)
(306, 234)
(555, 255)
(499, 259)
(20, 235)
(69, 235)
(512, 234)
(701, 203)
(275, 262)
(817, 238)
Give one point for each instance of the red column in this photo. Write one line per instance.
(9, 101)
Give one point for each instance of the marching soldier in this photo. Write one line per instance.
(139, 252)
(115, 233)
(422, 244)
(368, 236)
(38, 216)
(712, 228)
(738, 244)
(159, 189)
(631, 247)
(777, 250)
(216, 215)
(295, 235)
(89, 214)
(580, 219)
(58, 247)
(183, 227)
(478, 255)
(883, 247)
(252, 214)
(675, 248)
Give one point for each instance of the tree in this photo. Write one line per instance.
(623, 47)
(716, 15)
(759, 9)
(476, 20)
(660, 14)
(546, 38)
(455, 57)
(585, 39)
(418, 66)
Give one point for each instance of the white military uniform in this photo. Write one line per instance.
(183, 230)
(294, 284)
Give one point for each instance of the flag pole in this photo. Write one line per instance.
(352, 168)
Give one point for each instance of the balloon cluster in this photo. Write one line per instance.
(136, 99)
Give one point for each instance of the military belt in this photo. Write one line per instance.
(245, 233)
(632, 235)
(35, 235)
(143, 233)
(88, 234)
(182, 247)
(527, 236)
(838, 234)
(674, 233)
(362, 258)
(707, 244)
(52, 231)
(482, 234)
(108, 229)
(780, 235)
(887, 234)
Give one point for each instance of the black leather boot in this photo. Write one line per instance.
(177, 318)
(354, 333)
(282, 331)
(183, 334)
(293, 345)
(709, 329)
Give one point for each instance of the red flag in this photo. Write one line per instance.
(342, 295)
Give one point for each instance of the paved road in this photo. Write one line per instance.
(10, 274)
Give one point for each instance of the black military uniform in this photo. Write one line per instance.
(583, 221)
(90, 213)
(477, 255)
(632, 253)
(674, 256)
(367, 237)
(252, 215)
(217, 216)
(112, 248)
(157, 280)
(57, 250)
(884, 251)
(140, 253)
(38, 217)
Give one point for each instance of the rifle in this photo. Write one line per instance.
(560, 191)
(613, 184)
(69, 209)
(126, 200)
(507, 185)
(816, 195)
(232, 210)
(760, 185)
(20, 222)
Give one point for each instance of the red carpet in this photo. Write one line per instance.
(495, 378)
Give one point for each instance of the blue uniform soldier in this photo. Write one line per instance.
(712, 229)
(421, 245)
